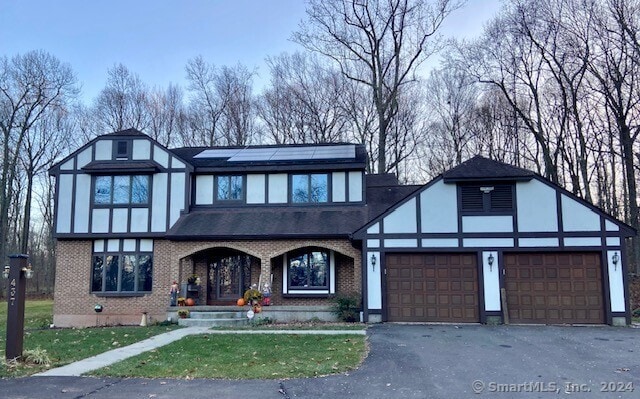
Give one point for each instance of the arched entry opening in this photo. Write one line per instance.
(228, 275)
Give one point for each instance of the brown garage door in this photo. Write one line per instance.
(432, 288)
(547, 288)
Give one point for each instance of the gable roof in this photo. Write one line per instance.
(134, 165)
(480, 168)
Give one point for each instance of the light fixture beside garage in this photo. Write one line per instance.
(615, 259)
(374, 260)
(490, 260)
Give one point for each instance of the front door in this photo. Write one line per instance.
(228, 278)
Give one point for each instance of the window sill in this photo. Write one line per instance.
(307, 295)
(120, 294)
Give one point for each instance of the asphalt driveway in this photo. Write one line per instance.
(418, 361)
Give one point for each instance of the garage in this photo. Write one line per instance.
(554, 288)
(432, 288)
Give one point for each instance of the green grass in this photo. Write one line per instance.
(242, 356)
(63, 346)
(299, 326)
(37, 314)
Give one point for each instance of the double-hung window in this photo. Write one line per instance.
(307, 188)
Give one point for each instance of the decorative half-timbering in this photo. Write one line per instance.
(484, 242)
(487, 241)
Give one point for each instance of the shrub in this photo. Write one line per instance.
(37, 356)
(346, 307)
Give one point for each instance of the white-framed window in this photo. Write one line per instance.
(309, 271)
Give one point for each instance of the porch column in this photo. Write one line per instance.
(265, 272)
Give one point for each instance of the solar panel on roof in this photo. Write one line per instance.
(335, 151)
(219, 153)
(292, 153)
(281, 153)
(254, 154)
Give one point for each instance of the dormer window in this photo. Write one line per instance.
(229, 188)
(486, 198)
(122, 150)
(310, 188)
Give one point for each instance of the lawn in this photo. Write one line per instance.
(234, 356)
(66, 345)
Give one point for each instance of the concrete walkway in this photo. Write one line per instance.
(116, 355)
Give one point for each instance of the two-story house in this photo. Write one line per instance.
(483, 242)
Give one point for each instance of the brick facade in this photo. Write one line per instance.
(74, 303)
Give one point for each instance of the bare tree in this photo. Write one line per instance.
(378, 44)
(205, 104)
(122, 104)
(303, 102)
(31, 86)
(47, 140)
(167, 115)
(235, 87)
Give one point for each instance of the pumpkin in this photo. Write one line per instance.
(240, 302)
(190, 302)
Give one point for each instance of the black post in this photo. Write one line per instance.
(15, 313)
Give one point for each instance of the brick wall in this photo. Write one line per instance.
(74, 303)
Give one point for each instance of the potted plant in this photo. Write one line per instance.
(193, 280)
(183, 313)
(253, 297)
(181, 301)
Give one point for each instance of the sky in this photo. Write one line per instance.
(156, 38)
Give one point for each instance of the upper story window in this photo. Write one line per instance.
(229, 188)
(486, 198)
(121, 189)
(310, 188)
(122, 149)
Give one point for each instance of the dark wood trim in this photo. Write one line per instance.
(383, 283)
(364, 283)
(168, 204)
(72, 213)
(482, 313)
(625, 282)
(606, 293)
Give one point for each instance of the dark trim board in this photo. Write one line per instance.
(483, 313)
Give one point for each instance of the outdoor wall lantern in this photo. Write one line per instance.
(374, 260)
(28, 271)
(490, 260)
(5, 272)
(97, 308)
(615, 259)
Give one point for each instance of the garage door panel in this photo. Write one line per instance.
(442, 287)
(554, 288)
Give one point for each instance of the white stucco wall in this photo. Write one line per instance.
(491, 281)
(402, 219)
(536, 207)
(577, 217)
(439, 208)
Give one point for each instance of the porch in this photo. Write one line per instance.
(275, 313)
